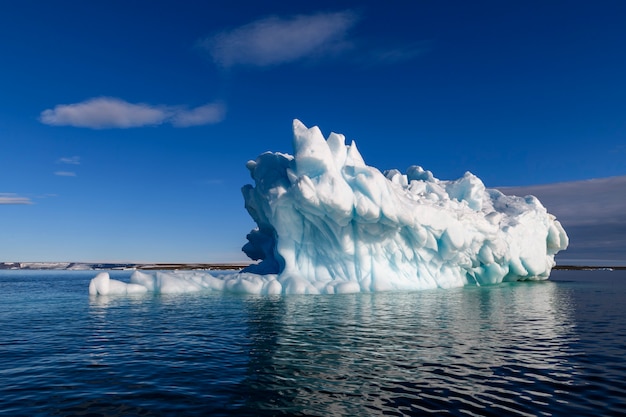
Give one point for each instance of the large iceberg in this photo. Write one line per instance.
(329, 223)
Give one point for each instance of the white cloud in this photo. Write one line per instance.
(274, 40)
(6, 198)
(111, 112)
(207, 114)
(103, 113)
(72, 160)
(65, 174)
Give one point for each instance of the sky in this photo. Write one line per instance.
(125, 126)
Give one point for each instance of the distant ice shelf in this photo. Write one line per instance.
(329, 223)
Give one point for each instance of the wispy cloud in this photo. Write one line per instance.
(212, 181)
(8, 198)
(111, 112)
(65, 174)
(281, 40)
(207, 114)
(593, 213)
(275, 40)
(72, 160)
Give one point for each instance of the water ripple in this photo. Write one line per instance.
(522, 349)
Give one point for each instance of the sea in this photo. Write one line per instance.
(552, 348)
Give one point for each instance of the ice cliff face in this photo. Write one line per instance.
(328, 223)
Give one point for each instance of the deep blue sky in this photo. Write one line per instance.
(125, 126)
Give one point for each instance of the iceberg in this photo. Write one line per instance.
(328, 223)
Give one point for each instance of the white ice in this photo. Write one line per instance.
(329, 223)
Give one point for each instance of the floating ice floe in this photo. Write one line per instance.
(329, 223)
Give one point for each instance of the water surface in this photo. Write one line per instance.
(534, 348)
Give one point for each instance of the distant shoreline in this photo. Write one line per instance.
(84, 266)
(585, 268)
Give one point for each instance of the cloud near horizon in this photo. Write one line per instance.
(8, 198)
(586, 202)
(593, 213)
(111, 113)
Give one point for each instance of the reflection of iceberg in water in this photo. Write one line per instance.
(328, 223)
(497, 350)
(473, 350)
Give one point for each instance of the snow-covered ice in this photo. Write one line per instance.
(329, 223)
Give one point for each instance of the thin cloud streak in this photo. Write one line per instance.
(111, 113)
(72, 160)
(65, 174)
(274, 40)
(13, 199)
(212, 182)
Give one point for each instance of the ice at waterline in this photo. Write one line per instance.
(328, 223)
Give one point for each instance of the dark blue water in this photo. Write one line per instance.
(543, 348)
